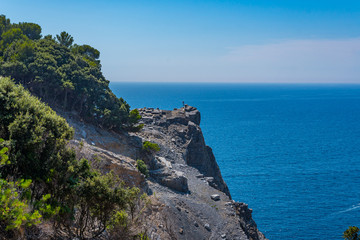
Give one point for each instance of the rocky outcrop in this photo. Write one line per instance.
(192, 199)
(247, 223)
(179, 129)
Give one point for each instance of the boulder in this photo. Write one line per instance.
(207, 226)
(215, 197)
(176, 181)
(171, 179)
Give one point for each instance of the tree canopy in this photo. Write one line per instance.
(63, 74)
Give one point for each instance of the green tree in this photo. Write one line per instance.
(150, 147)
(141, 166)
(63, 75)
(352, 233)
(34, 133)
(10, 36)
(65, 39)
(78, 199)
(90, 54)
(15, 209)
(14, 206)
(31, 30)
(4, 24)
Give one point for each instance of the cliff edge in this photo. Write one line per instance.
(192, 201)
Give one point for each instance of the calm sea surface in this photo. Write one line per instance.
(292, 152)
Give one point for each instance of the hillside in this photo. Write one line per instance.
(183, 176)
(63, 74)
(74, 172)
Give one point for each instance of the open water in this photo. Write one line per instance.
(292, 152)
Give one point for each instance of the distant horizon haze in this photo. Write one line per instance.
(209, 41)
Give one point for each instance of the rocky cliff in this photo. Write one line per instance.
(191, 199)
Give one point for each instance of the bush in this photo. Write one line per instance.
(84, 202)
(14, 207)
(35, 135)
(141, 166)
(134, 118)
(150, 147)
(352, 233)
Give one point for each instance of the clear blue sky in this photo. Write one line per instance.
(209, 41)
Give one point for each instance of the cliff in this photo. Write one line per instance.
(190, 198)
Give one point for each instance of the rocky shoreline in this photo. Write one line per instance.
(191, 199)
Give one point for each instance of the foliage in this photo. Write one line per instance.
(76, 198)
(142, 236)
(150, 147)
(352, 233)
(97, 199)
(15, 210)
(63, 74)
(34, 133)
(65, 39)
(141, 166)
(14, 206)
(3, 154)
(134, 118)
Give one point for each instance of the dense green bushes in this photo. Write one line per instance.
(150, 147)
(62, 74)
(40, 177)
(141, 166)
(60, 188)
(14, 206)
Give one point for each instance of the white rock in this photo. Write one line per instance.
(215, 197)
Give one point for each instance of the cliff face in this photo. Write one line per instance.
(181, 141)
(192, 201)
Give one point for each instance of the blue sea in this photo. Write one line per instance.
(292, 152)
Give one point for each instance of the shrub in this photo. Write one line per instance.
(352, 233)
(14, 206)
(134, 118)
(150, 147)
(141, 166)
(36, 137)
(84, 202)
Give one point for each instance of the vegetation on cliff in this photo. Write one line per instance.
(352, 233)
(42, 179)
(62, 74)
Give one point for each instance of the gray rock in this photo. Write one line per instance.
(209, 179)
(207, 226)
(223, 236)
(176, 181)
(215, 197)
(172, 179)
(183, 146)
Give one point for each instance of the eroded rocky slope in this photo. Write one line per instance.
(191, 199)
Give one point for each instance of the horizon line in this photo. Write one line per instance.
(255, 83)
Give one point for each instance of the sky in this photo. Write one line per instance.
(256, 41)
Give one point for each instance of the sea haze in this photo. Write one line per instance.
(292, 152)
